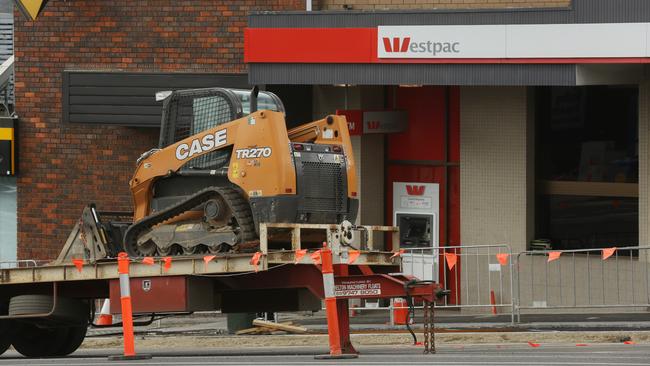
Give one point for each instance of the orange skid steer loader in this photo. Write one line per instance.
(222, 167)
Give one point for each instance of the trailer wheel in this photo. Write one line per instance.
(75, 336)
(58, 334)
(31, 340)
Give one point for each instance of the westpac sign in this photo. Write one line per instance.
(439, 42)
(514, 41)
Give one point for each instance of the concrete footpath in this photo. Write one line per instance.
(210, 330)
(568, 338)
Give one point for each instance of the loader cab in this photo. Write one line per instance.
(191, 111)
(265, 100)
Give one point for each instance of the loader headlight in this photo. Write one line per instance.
(146, 155)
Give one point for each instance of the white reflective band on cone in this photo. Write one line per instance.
(328, 284)
(125, 287)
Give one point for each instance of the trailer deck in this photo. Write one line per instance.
(278, 277)
(31, 272)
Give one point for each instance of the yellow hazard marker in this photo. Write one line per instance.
(31, 8)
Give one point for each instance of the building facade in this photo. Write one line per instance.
(530, 121)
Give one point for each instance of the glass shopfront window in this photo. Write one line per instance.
(587, 166)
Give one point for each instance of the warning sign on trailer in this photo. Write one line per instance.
(357, 288)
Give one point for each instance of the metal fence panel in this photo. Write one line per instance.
(474, 273)
(582, 278)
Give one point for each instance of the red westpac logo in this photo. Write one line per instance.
(414, 190)
(373, 125)
(395, 46)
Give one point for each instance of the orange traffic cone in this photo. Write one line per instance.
(105, 317)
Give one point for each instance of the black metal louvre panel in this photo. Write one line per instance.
(128, 98)
(322, 182)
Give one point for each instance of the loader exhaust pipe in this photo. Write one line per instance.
(254, 93)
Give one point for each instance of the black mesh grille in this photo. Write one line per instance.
(323, 188)
(209, 112)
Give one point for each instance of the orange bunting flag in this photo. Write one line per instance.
(148, 261)
(581, 344)
(398, 254)
(255, 261)
(168, 263)
(315, 257)
(451, 259)
(503, 258)
(553, 256)
(207, 259)
(79, 263)
(353, 255)
(608, 252)
(532, 344)
(299, 254)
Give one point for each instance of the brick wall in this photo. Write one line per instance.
(65, 166)
(435, 4)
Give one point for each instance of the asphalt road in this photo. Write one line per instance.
(506, 354)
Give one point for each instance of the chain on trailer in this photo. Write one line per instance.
(428, 323)
(429, 334)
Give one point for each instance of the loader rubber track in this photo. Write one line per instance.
(239, 207)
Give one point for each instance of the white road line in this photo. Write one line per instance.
(355, 362)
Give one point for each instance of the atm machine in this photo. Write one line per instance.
(416, 209)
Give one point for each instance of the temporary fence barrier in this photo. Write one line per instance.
(583, 278)
(479, 276)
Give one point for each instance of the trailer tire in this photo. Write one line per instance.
(74, 339)
(31, 340)
(58, 334)
(67, 311)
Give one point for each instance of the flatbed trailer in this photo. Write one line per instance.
(42, 302)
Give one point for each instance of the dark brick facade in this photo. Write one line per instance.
(65, 166)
